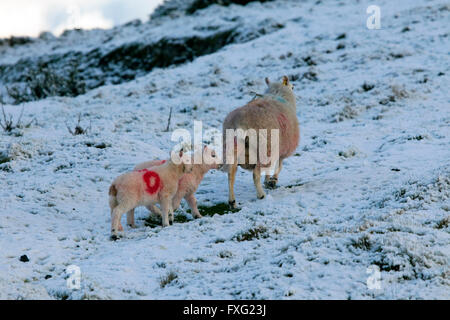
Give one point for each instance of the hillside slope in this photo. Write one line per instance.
(369, 185)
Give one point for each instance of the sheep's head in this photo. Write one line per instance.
(283, 89)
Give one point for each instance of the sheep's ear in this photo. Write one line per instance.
(285, 80)
(267, 80)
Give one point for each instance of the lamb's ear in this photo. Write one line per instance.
(285, 80)
(267, 80)
(181, 153)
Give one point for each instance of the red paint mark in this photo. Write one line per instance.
(152, 180)
(283, 121)
(163, 161)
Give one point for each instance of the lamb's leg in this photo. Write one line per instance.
(154, 209)
(257, 181)
(176, 200)
(130, 218)
(192, 202)
(171, 214)
(116, 214)
(165, 207)
(231, 178)
(174, 204)
(113, 204)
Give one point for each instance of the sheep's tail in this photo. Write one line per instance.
(112, 191)
(113, 197)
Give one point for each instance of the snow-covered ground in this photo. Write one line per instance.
(368, 187)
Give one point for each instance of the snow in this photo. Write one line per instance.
(369, 184)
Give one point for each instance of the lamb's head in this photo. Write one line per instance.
(182, 162)
(283, 89)
(210, 159)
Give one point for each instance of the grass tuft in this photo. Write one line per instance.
(219, 208)
(252, 233)
(362, 243)
(167, 279)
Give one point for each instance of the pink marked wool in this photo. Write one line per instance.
(157, 184)
(187, 184)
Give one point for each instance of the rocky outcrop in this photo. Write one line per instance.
(74, 71)
(177, 8)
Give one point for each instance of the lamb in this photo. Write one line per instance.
(188, 184)
(276, 109)
(145, 187)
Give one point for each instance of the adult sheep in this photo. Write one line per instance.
(275, 109)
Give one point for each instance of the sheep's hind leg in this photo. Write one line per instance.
(130, 219)
(231, 178)
(270, 182)
(116, 214)
(257, 181)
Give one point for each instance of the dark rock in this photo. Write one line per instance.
(135, 23)
(201, 4)
(46, 35)
(396, 55)
(24, 258)
(166, 52)
(309, 61)
(310, 75)
(367, 87)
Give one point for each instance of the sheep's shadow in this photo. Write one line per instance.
(221, 208)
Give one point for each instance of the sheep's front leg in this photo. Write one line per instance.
(257, 181)
(165, 208)
(192, 202)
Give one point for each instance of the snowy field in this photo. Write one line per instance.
(368, 187)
